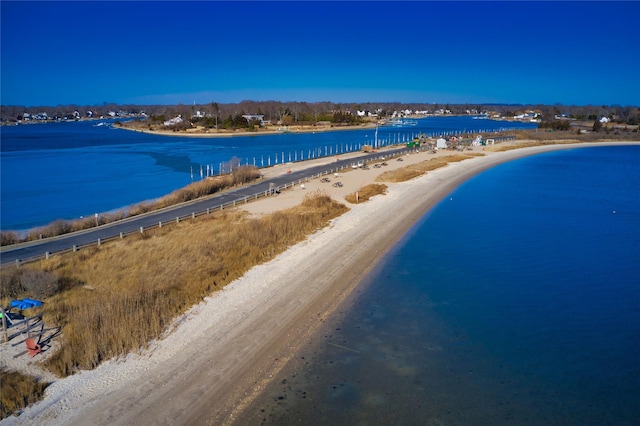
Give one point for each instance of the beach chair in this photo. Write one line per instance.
(33, 347)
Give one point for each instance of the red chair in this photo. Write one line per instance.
(33, 347)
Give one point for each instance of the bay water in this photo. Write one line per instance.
(69, 170)
(516, 300)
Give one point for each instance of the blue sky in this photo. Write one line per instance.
(85, 53)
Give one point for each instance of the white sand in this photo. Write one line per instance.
(218, 356)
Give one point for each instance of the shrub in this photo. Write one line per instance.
(16, 282)
(366, 192)
(18, 391)
(8, 238)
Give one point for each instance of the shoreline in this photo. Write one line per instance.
(218, 134)
(218, 356)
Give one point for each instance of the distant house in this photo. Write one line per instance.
(254, 117)
(174, 121)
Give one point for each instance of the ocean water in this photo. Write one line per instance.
(516, 300)
(69, 170)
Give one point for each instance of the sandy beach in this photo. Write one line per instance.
(218, 356)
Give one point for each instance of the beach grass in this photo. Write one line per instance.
(366, 192)
(412, 171)
(527, 144)
(18, 390)
(125, 294)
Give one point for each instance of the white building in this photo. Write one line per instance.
(173, 121)
(251, 117)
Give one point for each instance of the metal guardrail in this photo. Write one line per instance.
(210, 210)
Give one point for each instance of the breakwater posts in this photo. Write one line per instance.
(386, 139)
(46, 254)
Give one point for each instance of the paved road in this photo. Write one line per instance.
(36, 249)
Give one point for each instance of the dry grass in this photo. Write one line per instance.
(18, 391)
(366, 192)
(509, 147)
(415, 170)
(244, 174)
(128, 292)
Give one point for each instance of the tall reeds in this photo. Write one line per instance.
(18, 390)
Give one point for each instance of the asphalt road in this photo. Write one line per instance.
(37, 249)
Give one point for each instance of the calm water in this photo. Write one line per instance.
(68, 170)
(515, 301)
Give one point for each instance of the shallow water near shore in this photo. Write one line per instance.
(514, 301)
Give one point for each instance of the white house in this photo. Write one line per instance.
(252, 117)
(173, 121)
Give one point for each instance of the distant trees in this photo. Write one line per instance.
(160, 118)
(216, 112)
(311, 112)
(206, 122)
(629, 115)
(554, 124)
(597, 126)
(235, 121)
(340, 117)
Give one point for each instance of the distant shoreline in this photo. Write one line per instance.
(201, 133)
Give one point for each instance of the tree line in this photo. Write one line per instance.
(307, 112)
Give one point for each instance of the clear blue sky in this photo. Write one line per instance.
(573, 53)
